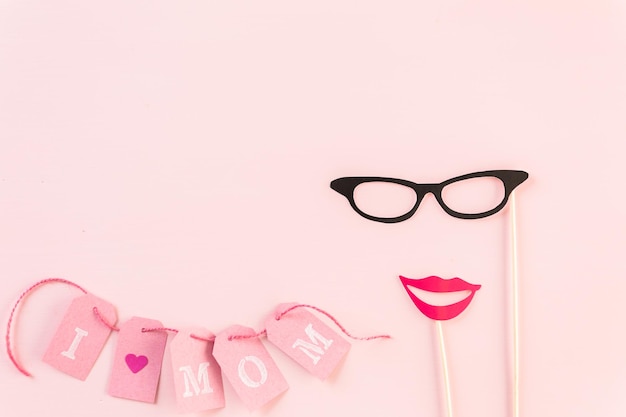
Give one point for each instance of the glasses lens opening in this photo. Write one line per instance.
(384, 199)
(474, 195)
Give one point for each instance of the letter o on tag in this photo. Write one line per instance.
(245, 378)
(248, 366)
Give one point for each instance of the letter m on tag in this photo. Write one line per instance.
(313, 350)
(191, 381)
(307, 340)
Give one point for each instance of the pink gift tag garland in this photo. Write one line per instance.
(199, 358)
(80, 337)
(197, 375)
(306, 340)
(248, 366)
(137, 361)
(22, 297)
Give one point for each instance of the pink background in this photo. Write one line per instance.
(174, 158)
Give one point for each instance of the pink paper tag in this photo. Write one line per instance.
(137, 360)
(197, 376)
(307, 340)
(80, 337)
(249, 367)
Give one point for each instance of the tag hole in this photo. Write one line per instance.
(143, 330)
(230, 338)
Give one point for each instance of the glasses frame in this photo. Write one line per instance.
(510, 179)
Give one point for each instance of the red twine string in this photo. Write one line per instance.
(247, 336)
(319, 310)
(158, 329)
(170, 329)
(104, 321)
(330, 316)
(14, 314)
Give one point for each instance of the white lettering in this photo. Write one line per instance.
(69, 353)
(245, 378)
(202, 378)
(308, 348)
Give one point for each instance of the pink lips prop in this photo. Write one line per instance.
(436, 284)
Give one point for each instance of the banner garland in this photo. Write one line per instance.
(199, 357)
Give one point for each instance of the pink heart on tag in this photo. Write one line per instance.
(136, 363)
(142, 382)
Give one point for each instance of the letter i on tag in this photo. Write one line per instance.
(197, 376)
(248, 366)
(80, 337)
(137, 360)
(306, 340)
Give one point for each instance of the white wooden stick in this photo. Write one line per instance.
(515, 309)
(444, 365)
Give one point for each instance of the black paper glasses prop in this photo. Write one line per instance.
(506, 181)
